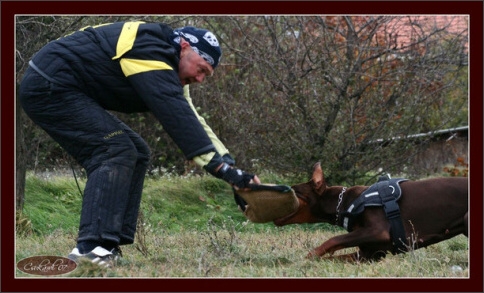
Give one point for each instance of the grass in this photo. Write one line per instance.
(190, 228)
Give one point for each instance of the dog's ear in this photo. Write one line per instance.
(319, 185)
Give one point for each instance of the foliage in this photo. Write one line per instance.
(331, 86)
(460, 168)
(293, 90)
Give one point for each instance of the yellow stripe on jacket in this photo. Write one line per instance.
(219, 146)
(125, 43)
(134, 66)
(126, 38)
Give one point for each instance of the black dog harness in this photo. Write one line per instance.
(386, 192)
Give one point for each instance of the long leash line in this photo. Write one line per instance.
(75, 178)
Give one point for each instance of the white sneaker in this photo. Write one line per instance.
(98, 255)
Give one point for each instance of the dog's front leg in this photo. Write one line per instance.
(350, 257)
(329, 246)
(358, 237)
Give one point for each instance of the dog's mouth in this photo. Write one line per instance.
(286, 219)
(282, 221)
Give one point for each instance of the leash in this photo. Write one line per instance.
(75, 178)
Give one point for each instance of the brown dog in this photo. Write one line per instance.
(431, 210)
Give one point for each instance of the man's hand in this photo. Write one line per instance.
(238, 199)
(228, 159)
(236, 177)
(254, 180)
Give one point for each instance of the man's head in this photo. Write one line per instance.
(199, 53)
(202, 41)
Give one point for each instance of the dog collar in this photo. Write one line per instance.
(340, 199)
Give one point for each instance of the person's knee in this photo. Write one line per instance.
(123, 153)
(144, 155)
(143, 150)
(116, 150)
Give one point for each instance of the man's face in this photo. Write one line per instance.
(192, 68)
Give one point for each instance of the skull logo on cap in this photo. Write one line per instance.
(211, 39)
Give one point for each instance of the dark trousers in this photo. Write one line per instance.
(114, 156)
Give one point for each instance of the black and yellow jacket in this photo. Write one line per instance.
(131, 67)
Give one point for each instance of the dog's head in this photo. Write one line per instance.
(309, 195)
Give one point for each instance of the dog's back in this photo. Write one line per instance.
(435, 209)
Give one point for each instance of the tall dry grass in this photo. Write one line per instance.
(191, 228)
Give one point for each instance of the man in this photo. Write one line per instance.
(127, 67)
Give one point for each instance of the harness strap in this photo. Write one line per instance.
(392, 211)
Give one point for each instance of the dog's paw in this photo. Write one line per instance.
(312, 255)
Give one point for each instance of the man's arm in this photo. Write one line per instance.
(221, 149)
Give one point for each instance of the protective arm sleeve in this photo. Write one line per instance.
(205, 159)
(213, 160)
(221, 149)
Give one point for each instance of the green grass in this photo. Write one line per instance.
(191, 227)
(52, 204)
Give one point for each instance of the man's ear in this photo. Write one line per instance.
(184, 47)
(184, 43)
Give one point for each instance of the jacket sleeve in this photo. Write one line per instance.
(222, 150)
(205, 159)
(163, 95)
